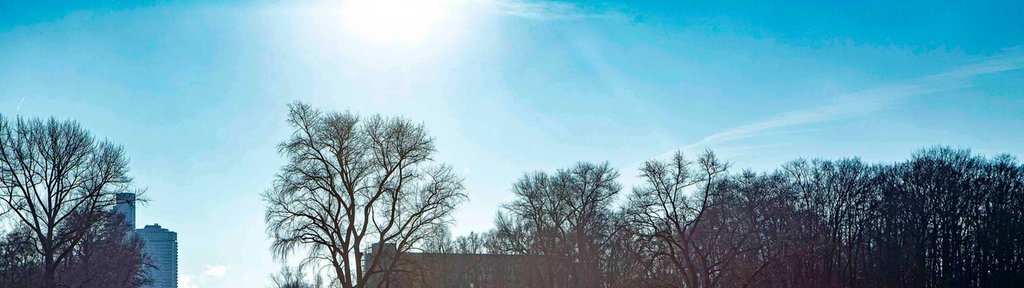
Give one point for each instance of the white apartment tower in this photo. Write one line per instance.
(161, 246)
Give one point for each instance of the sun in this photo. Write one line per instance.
(393, 22)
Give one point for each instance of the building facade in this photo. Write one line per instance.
(452, 270)
(161, 246)
(125, 205)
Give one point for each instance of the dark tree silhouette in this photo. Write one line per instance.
(566, 217)
(349, 183)
(945, 218)
(57, 182)
(689, 235)
(290, 277)
(472, 243)
(950, 218)
(18, 264)
(438, 240)
(110, 256)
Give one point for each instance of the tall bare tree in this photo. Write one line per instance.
(58, 182)
(565, 216)
(350, 183)
(676, 212)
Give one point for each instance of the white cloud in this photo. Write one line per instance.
(216, 270)
(212, 272)
(185, 281)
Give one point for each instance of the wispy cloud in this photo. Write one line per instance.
(545, 10)
(863, 102)
(19, 104)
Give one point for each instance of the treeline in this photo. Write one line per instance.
(944, 218)
(105, 257)
(57, 185)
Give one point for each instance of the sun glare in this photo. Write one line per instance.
(394, 22)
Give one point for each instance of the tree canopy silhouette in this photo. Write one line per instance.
(57, 183)
(350, 182)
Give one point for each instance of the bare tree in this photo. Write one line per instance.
(566, 217)
(18, 262)
(950, 218)
(290, 277)
(349, 183)
(945, 218)
(110, 256)
(675, 211)
(472, 243)
(843, 196)
(511, 236)
(57, 181)
(438, 240)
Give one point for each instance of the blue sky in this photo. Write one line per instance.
(196, 90)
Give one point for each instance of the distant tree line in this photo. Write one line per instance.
(943, 218)
(57, 184)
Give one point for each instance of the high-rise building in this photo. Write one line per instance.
(124, 204)
(161, 246)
